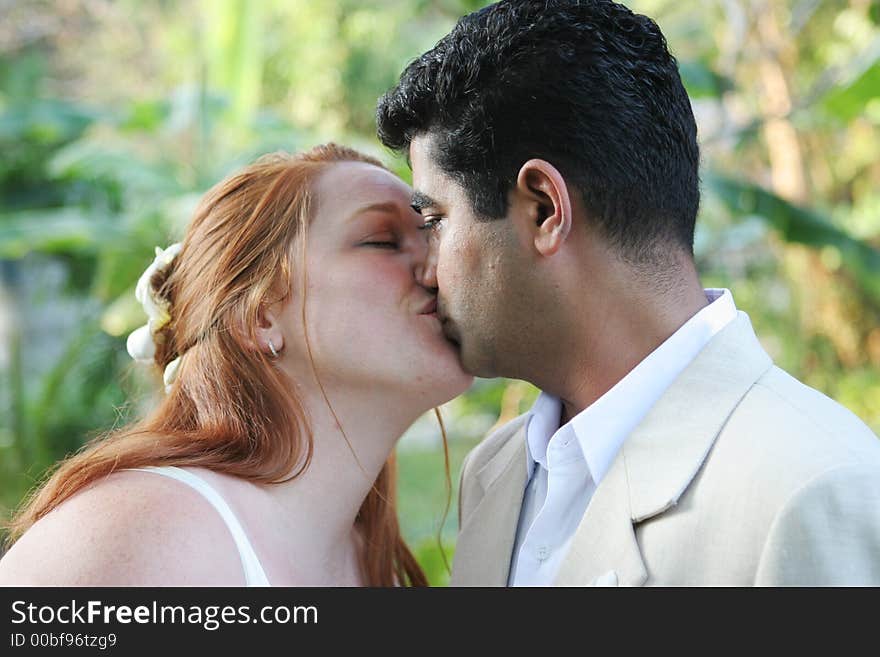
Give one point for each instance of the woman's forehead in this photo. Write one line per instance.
(359, 183)
(346, 191)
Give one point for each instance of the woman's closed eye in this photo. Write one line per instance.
(381, 242)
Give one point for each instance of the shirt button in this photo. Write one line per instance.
(542, 553)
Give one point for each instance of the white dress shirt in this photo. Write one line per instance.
(565, 464)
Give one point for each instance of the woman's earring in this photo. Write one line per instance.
(272, 349)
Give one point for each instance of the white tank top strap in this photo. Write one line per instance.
(253, 570)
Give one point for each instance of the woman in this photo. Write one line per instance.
(297, 344)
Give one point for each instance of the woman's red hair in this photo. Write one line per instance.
(230, 410)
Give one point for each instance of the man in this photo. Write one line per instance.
(554, 159)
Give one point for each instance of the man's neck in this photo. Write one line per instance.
(634, 322)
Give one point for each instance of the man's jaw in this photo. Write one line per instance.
(450, 333)
(448, 328)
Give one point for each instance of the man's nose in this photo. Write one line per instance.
(426, 267)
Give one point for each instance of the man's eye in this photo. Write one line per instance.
(431, 223)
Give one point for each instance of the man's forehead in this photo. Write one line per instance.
(429, 180)
(421, 151)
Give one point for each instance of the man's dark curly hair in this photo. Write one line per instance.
(588, 86)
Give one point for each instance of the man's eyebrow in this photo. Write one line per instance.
(421, 201)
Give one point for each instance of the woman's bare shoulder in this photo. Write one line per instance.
(131, 528)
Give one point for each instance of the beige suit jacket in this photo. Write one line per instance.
(739, 475)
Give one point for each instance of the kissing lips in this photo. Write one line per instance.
(430, 308)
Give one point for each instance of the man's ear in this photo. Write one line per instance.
(540, 185)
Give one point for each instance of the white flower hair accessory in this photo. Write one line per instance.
(141, 344)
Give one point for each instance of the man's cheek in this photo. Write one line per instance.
(447, 267)
(460, 258)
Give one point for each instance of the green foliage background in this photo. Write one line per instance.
(116, 116)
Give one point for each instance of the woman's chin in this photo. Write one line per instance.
(452, 367)
(444, 383)
(455, 386)
(441, 377)
(464, 383)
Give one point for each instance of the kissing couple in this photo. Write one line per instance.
(318, 305)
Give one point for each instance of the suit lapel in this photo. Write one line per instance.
(604, 542)
(667, 449)
(483, 551)
(660, 459)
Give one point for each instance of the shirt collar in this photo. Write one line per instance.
(602, 427)
(543, 423)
